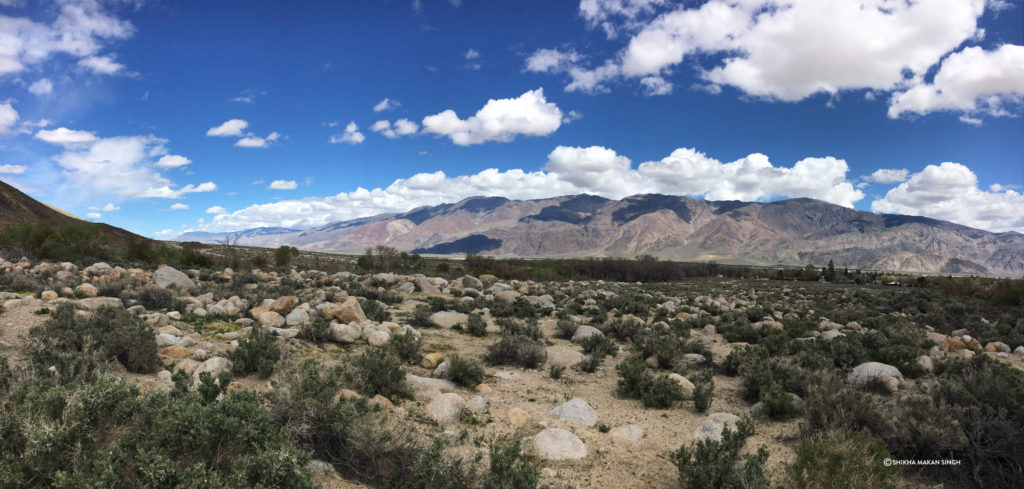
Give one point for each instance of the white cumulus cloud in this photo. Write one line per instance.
(179, 207)
(971, 81)
(530, 114)
(110, 207)
(101, 65)
(283, 185)
(172, 161)
(233, 127)
(8, 118)
(40, 87)
(949, 191)
(601, 13)
(257, 142)
(401, 127)
(8, 169)
(93, 168)
(792, 50)
(888, 175)
(66, 137)
(167, 192)
(351, 135)
(81, 29)
(216, 210)
(386, 104)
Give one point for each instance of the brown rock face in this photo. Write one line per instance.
(344, 313)
(954, 345)
(284, 305)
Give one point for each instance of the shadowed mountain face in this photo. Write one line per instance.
(16, 207)
(791, 232)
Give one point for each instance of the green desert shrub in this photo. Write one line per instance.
(516, 350)
(591, 363)
(632, 372)
(421, 317)
(105, 433)
(374, 311)
(378, 372)
(349, 434)
(599, 345)
(760, 371)
(556, 371)
(406, 346)
(702, 394)
(464, 371)
(841, 459)
(660, 391)
(317, 331)
(777, 403)
(285, 255)
(153, 297)
(510, 468)
(718, 464)
(512, 327)
(566, 328)
(66, 339)
(475, 325)
(257, 354)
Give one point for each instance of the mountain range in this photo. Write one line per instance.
(788, 232)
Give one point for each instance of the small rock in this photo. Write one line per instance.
(377, 338)
(407, 288)
(446, 408)
(713, 425)
(175, 351)
(86, 290)
(576, 411)
(268, 319)
(925, 362)
(381, 401)
(564, 357)
(997, 346)
(430, 360)
(559, 444)
(166, 277)
(685, 383)
(626, 434)
(283, 305)
(297, 318)
(517, 416)
(875, 371)
(585, 331)
(442, 368)
(345, 333)
(215, 366)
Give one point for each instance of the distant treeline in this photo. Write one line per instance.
(648, 269)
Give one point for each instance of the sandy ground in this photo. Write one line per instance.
(643, 464)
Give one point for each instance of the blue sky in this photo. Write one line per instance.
(162, 116)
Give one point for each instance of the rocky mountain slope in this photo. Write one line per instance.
(16, 207)
(791, 232)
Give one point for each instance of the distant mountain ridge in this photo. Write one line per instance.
(789, 232)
